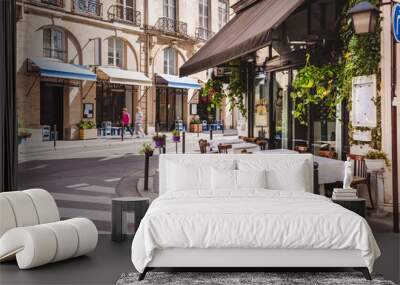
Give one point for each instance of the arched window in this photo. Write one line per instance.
(53, 44)
(115, 52)
(170, 61)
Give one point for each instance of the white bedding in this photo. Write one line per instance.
(253, 218)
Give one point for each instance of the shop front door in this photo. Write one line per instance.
(52, 107)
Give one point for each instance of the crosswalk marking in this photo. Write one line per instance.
(113, 179)
(89, 214)
(77, 185)
(97, 188)
(82, 198)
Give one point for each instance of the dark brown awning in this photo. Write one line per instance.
(248, 31)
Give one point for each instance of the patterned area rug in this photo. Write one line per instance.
(244, 278)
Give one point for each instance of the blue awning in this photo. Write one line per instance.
(173, 81)
(57, 69)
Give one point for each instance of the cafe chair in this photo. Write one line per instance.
(360, 175)
(327, 154)
(203, 144)
(223, 148)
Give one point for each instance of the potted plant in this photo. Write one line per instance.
(195, 125)
(159, 140)
(87, 130)
(176, 136)
(146, 150)
(376, 160)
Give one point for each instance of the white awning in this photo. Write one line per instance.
(177, 82)
(122, 76)
(57, 69)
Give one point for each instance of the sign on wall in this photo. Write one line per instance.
(396, 22)
(363, 101)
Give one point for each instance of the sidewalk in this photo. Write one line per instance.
(103, 147)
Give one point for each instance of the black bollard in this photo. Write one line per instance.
(211, 134)
(146, 171)
(183, 142)
(55, 136)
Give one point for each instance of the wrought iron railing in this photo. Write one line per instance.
(119, 13)
(49, 3)
(88, 7)
(203, 34)
(171, 26)
(55, 53)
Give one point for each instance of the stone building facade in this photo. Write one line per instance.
(144, 37)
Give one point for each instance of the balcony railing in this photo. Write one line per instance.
(203, 34)
(49, 3)
(55, 53)
(119, 13)
(171, 26)
(88, 7)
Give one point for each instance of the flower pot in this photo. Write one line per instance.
(374, 164)
(176, 138)
(196, 128)
(159, 142)
(87, 134)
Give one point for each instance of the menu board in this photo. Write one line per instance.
(363, 101)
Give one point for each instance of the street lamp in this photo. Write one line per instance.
(364, 17)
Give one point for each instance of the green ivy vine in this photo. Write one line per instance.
(234, 93)
(329, 85)
(315, 85)
(361, 56)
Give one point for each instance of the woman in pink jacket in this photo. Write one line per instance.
(126, 123)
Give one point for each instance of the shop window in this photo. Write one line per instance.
(115, 52)
(170, 61)
(53, 43)
(223, 8)
(170, 9)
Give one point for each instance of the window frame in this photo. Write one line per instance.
(204, 14)
(169, 7)
(113, 59)
(223, 6)
(170, 61)
(53, 51)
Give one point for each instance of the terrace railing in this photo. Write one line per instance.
(88, 8)
(120, 13)
(171, 26)
(203, 34)
(49, 3)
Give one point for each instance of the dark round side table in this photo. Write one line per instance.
(121, 205)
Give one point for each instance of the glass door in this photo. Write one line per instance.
(279, 107)
(261, 107)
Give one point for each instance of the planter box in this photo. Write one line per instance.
(196, 128)
(374, 164)
(87, 134)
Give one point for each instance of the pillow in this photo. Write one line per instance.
(251, 178)
(193, 176)
(281, 174)
(223, 179)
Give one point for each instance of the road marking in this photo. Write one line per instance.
(98, 189)
(112, 157)
(77, 185)
(113, 179)
(82, 198)
(89, 214)
(38, 167)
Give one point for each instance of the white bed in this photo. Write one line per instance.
(197, 222)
